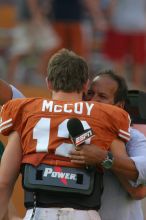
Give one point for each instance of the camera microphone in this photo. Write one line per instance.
(77, 132)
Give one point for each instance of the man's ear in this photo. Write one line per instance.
(86, 86)
(120, 104)
(49, 85)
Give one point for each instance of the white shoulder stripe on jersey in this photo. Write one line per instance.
(5, 122)
(6, 126)
(124, 132)
(124, 137)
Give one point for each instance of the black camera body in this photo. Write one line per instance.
(136, 106)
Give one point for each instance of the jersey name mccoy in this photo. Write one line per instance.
(78, 108)
(42, 126)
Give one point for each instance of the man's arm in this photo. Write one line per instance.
(8, 92)
(93, 155)
(137, 193)
(9, 170)
(123, 166)
(16, 93)
(131, 173)
(136, 149)
(12, 213)
(5, 92)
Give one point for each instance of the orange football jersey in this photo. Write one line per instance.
(42, 126)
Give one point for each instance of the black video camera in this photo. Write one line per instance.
(136, 106)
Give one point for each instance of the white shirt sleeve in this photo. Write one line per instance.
(136, 149)
(16, 93)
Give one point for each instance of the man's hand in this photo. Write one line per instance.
(88, 154)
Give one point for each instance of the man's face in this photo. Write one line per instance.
(102, 90)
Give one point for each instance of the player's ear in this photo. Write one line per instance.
(86, 86)
(49, 85)
(120, 104)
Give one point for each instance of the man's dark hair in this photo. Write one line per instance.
(67, 71)
(122, 90)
